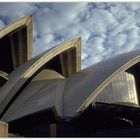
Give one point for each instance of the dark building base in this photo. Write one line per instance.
(101, 120)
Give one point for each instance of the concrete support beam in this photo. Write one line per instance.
(3, 129)
(72, 61)
(53, 132)
(14, 53)
(29, 36)
(68, 62)
(20, 48)
(64, 64)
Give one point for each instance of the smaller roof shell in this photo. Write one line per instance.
(23, 73)
(17, 25)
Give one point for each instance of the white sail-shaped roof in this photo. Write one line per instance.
(73, 94)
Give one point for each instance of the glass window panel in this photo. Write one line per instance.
(121, 89)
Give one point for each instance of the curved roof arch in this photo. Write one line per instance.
(14, 26)
(23, 73)
(72, 95)
(16, 44)
(107, 81)
(92, 80)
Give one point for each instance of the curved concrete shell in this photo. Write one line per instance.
(16, 44)
(71, 95)
(70, 64)
(92, 80)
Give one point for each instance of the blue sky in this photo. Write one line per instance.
(106, 29)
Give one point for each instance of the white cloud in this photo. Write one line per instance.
(106, 29)
(61, 21)
(16, 10)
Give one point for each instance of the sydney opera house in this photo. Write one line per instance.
(50, 96)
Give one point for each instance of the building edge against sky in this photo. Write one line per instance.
(50, 91)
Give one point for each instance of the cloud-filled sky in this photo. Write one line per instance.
(106, 29)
